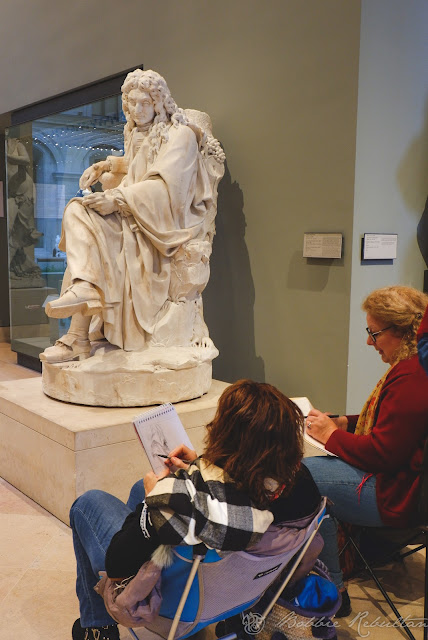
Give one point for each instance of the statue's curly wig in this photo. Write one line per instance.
(165, 108)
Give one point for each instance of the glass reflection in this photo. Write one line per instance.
(44, 161)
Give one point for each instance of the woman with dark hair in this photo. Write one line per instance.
(375, 479)
(256, 435)
(249, 476)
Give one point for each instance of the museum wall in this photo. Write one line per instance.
(391, 178)
(280, 81)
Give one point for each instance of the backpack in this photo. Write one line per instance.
(303, 611)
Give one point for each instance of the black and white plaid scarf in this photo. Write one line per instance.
(202, 504)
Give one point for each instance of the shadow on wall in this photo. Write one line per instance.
(302, 275)
(229, 296)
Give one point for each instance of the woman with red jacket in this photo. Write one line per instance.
(374, 480)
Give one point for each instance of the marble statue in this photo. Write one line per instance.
(138, 260)
(23, 234)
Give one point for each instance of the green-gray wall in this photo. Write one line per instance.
(391, 177)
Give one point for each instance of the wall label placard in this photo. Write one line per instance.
(380, 246)
(322, 245)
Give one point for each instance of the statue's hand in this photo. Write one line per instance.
(102, 203)
(92, 174)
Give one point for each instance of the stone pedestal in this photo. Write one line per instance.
(112, 377)
(53, 451)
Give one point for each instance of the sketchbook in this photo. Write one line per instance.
(305, 406)
(160, 430)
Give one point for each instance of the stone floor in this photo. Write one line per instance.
(37, 571)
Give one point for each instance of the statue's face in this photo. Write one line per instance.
(141, 107)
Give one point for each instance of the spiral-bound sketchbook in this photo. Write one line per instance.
(160, 430)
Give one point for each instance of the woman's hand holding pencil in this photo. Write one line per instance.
(180, 457)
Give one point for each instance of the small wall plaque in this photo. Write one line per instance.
(380, 246)
(322, 245)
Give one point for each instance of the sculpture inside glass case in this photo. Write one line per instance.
(138, 259)
(23, 234)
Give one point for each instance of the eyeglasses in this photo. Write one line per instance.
(376, 333)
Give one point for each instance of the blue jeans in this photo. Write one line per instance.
(94, 518)
(423, 352)
(340, 482)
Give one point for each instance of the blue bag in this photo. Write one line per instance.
(315, 593)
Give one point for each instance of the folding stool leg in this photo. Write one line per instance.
(384, 593)
(296, 563)
(411, 552)
(196, 562)
(183, 599)
(425, 534)
(289, 576)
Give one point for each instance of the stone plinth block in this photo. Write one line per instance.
(115, 378)
(53, 451)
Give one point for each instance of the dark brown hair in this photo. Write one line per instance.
(256, 434)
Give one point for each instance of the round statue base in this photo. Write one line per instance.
(115, 378)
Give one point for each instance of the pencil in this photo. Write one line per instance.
(329, 415)
(160, 455)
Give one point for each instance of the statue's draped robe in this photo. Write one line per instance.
(127, 255)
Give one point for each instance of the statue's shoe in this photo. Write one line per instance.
(68, 347)
(81, 297)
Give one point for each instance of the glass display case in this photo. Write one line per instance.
(44, 161)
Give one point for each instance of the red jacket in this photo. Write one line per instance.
(393, 450)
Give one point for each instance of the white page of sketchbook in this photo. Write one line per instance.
(160, 430)
(305, 406)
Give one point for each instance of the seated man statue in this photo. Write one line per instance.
(138, 252)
